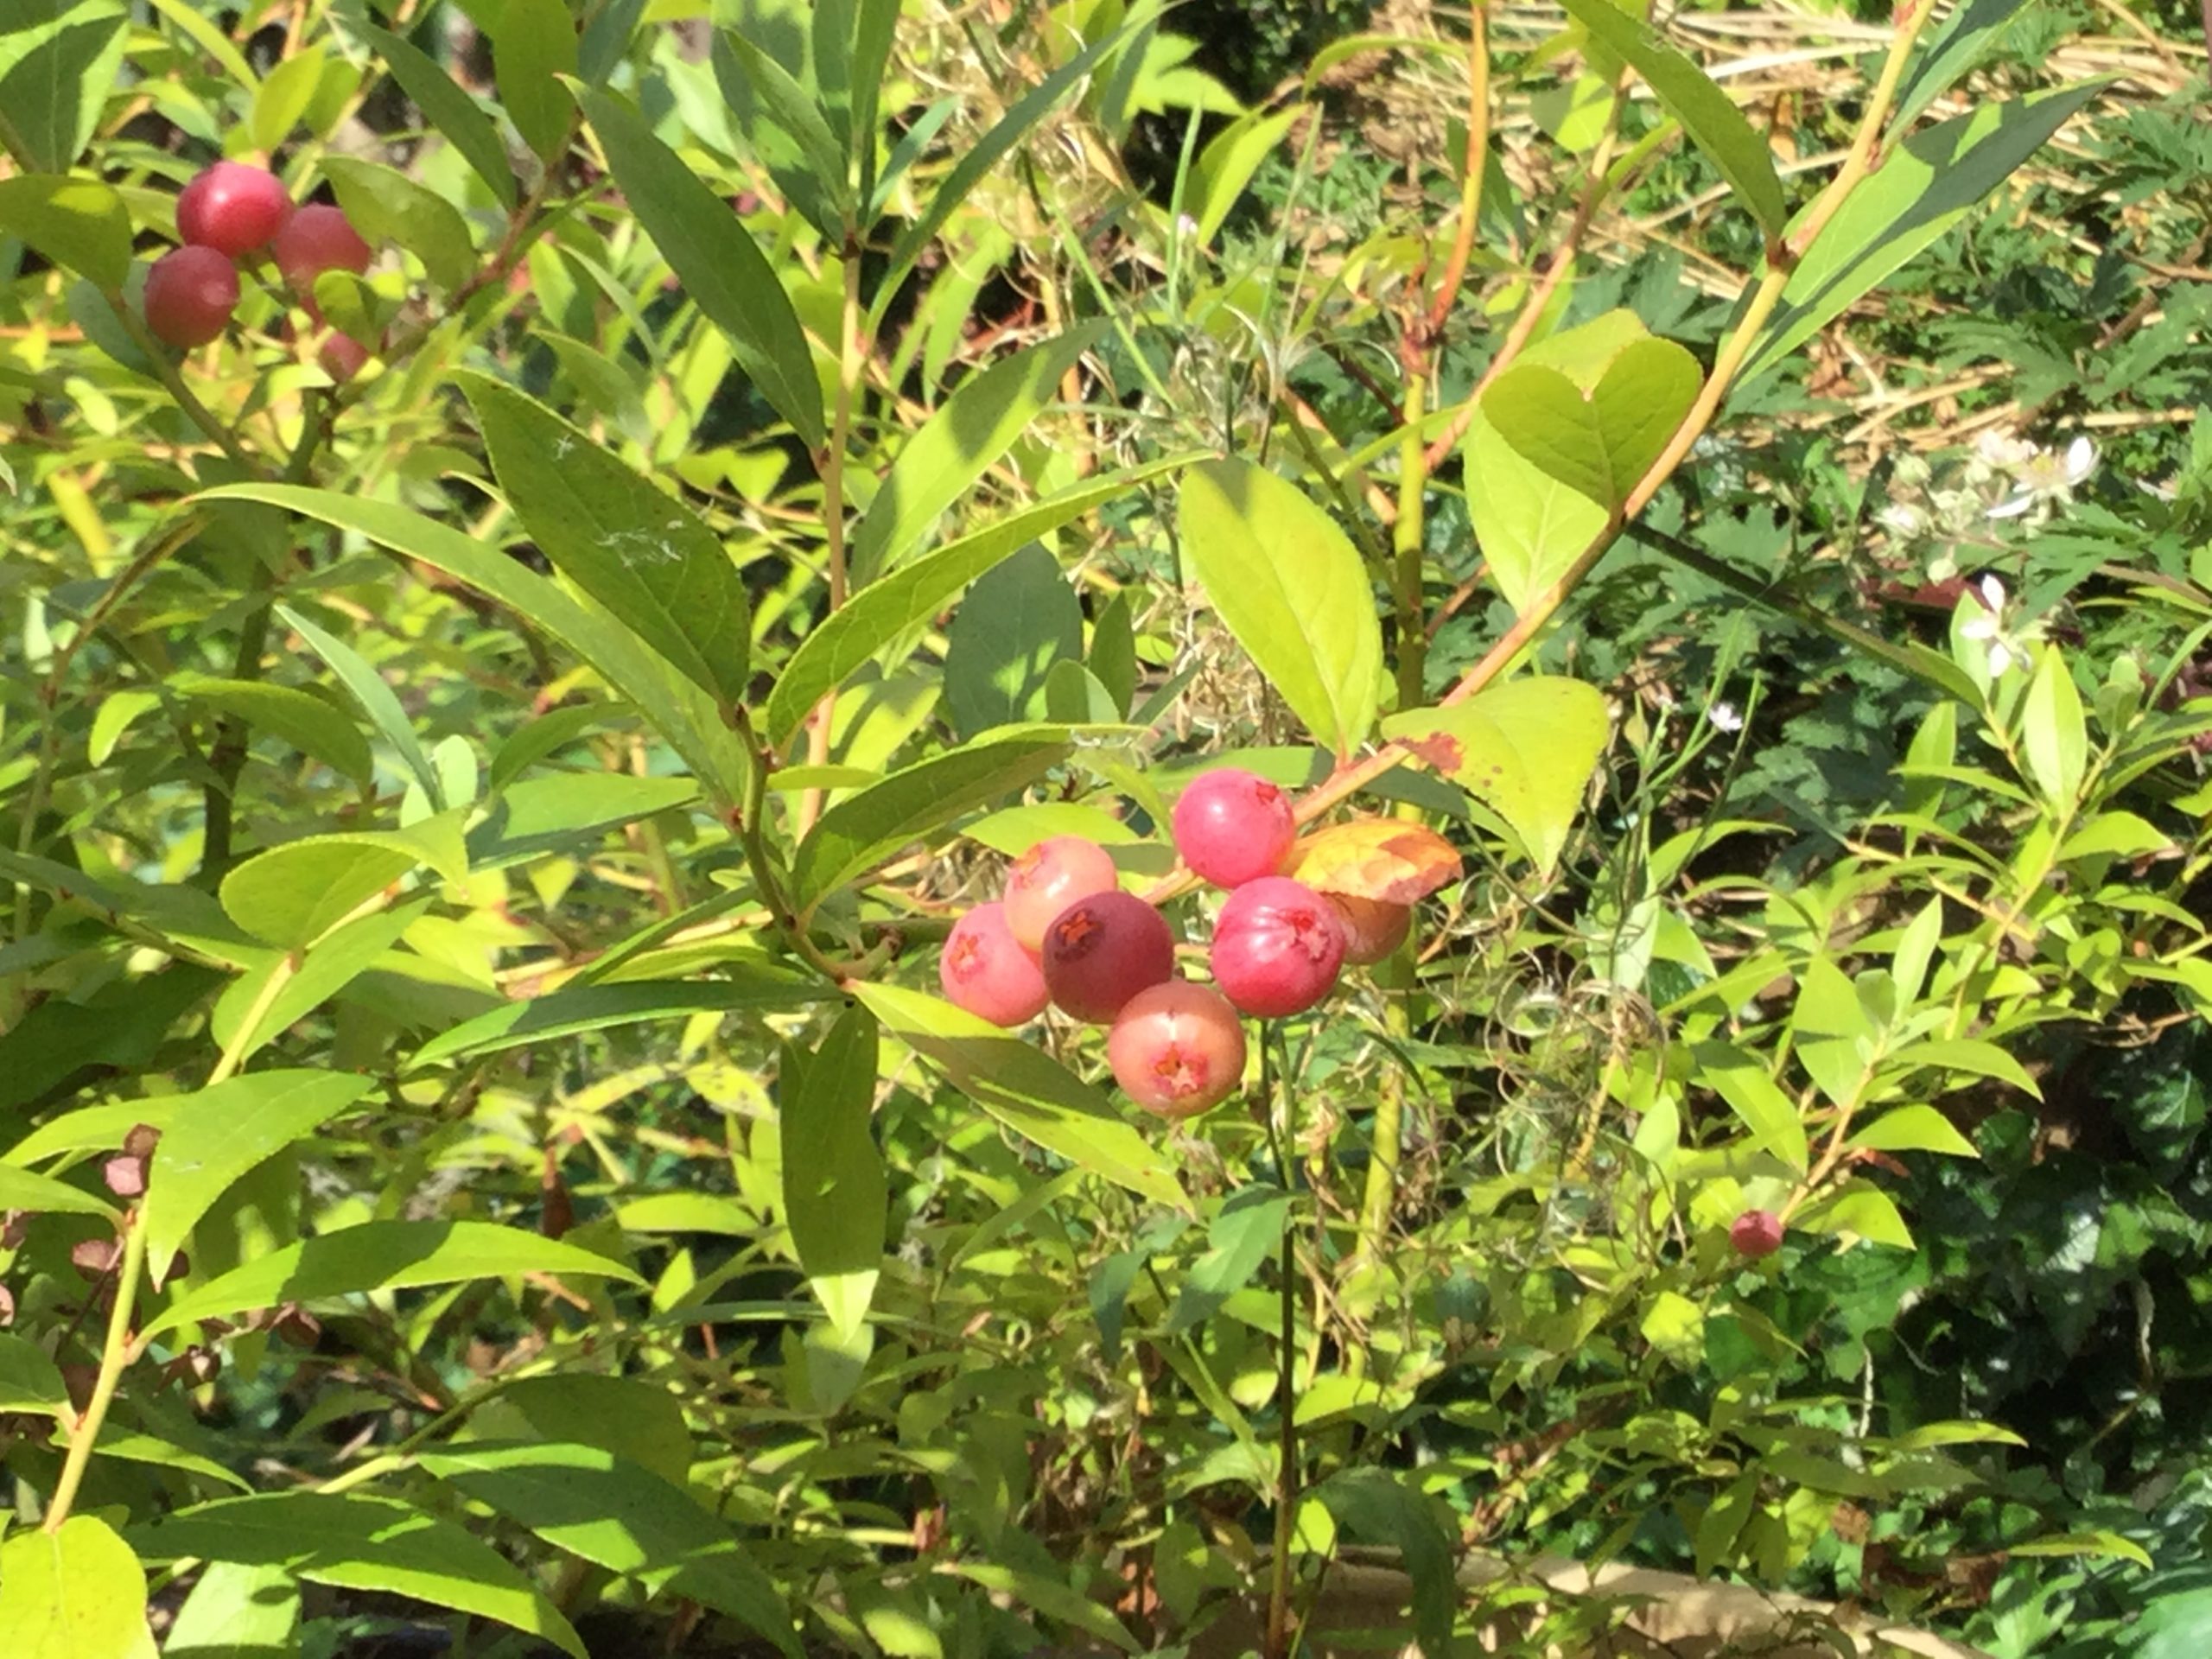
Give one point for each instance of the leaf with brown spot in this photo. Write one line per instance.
(1376, 858)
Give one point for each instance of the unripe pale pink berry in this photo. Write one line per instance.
(1048, 878)
(1178, 1049)
(190, 294)
(1374, 928)
(1277, 947)
(1101, 951)
(232, 208)
(1233, 826)
(1756, 1233)
(316, 239)
(984, 971)
(341, 356)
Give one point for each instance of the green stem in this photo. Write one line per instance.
(115, 1354)
(1408, 538)
(227, 755)
(164, 370)
(1279, 1586)
(852, 359)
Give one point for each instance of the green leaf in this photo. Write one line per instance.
(1027, 1090)
(622, 1518)
(880, 613)
(381, 1256)
(56, 76)
(1226, 165)
(1675, 1326)
(569, 812)
(1922, 188)
(1770, 1116)
(451, 111)
(1858, 1210)
(1968, 1054)
(283, 96)
(1372, 1504)
(305, 721)
(77, 1592)
(293, 895)
(638, 1420)
(637, 549)
(39, 1195)
(875, 27)
(1290, 586)
(782, 124)
(1913, 1128)
(1960, 39)
(1074, 697)
(236, 1611)
(975, 426)
(864, 827)
(332, 963)
(375, 697)
(386, 206)
(2118, 1546)
(684, 715)
(1915, 950)
(2115, 835)
(1524, 748)
(29, 1382)
(1722, 1524)
(223, 1131)
(722, 270)
(533, 42)
(1243, 1235)
(1531, 526)
(357, 1541)
(836, 1194)
(1019, 621)
(597, 1007)
(157, 1453)
(1714, 124)
(1833, 1036)
(1598, 442)
(1113, 660)
(2053, 731)
(74, 222)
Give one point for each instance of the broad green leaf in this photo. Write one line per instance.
(1741, 1079)
(606, 39)
(1524, 748)
(382, 1256)
(236, 1611)
(686, 1212)
(451, 111)
(388, 206)
(782, 124)
(637, 549)
(2053, 732)
(534, 43)
(1014, 830)
(1290, 586)
(1027, 1090)
(880, 613)
(870, 823)
(547, 734)
(569, 812)
(1969, 1054)
(2176, 1623)
(56, 77)
(597, 1007)
(974, 427)
(639, 1421)
(2115, 835)
(1833, 1034)
(836, 1195)
(1244, 1234)
(78, 223)
(1960, 39)
(623, 1517)
(1373, 1504)
(357, 1541)
(1019, 622)
(293, 895)
(1858, 1210)
(1226, 165)
(684, 715)
(1531, 526)
(1722, 1524)
(78, 1592)
(332, 963)
(40, 1195)
(1675, 1326)
(1052, 1597)
(1074, 697)
(1113, 660)
(375, 698)
(1915, 953)
(126, 1447)
(219, 1134)
(1598, 440)
(283, 96)
(1913, 1128)
(722, 270)
(1922, 188)
(1713, 123)
(305, 721)
(29, 1382)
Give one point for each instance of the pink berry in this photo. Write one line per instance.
(318, 237)
(1048, 878)
(232, 208)
(1277, 948)
(190, 294)
(1233, 826)
(1374, 928)
(1756, 1233)
(1101, 951)
(984, 971)
(1178, 1049)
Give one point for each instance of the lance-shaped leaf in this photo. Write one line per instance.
(835, 1191)
(79, 223)
(451, 111)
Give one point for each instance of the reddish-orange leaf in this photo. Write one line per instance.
(1375, 858)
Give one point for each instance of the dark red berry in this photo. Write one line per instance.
(190, 294)
(232, 208)
(1756, 1233)
(1101, 951)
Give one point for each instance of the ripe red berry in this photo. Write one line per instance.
(190, 294)
(1048, 878)
(1178, 1049)
(316, 239)
(1277, 948)
(232, 208)
(1233, 826)
(984, 971)
(341, 356)
(1756, 1233)
(1374, 928)
(1101, 951)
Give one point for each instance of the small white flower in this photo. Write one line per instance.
(1987, 626)
(1901, 518)
(1185, 225)
(2002, 450)
(1726, 716)
(2045, 477)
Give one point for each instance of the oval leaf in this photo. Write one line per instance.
(1597, 441)
(1388, 859)
(305, 721)
(74, 222)
(836, 1194)
(77, 1592)
(597, 1007)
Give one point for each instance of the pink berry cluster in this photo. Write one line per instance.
(1065, 933)
(233, 211)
